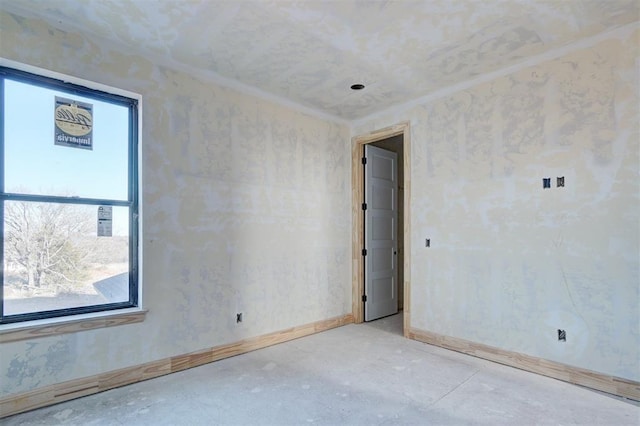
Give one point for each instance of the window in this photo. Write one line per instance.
(68, 198)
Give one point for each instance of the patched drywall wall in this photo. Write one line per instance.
(510, 263)
(246, 208)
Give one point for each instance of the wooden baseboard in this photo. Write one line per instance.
(579, 376)
(60, 392)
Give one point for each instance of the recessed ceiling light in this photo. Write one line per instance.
(357, 87)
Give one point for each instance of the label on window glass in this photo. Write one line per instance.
(74, 123)
(105, 221)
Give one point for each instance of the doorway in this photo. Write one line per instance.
(395, 138)
(380, 251)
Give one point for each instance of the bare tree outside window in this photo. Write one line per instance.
(41, 242)
(54, 258)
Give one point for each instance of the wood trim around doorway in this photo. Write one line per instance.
(357, 237)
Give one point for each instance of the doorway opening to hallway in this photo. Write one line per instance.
(380, 237)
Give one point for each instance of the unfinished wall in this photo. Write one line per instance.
(246, 208)
(510, 263)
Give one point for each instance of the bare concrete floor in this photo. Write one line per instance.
(359, 374)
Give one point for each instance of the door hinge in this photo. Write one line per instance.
(364, 252)
(364, 206)
(364, 160)
(364, 297)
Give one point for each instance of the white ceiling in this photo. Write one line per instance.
(310, 52)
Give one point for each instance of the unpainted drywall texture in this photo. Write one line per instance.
(246, 208)
(510, 263)
(312, 51)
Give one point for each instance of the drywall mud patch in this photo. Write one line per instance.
(38, 362)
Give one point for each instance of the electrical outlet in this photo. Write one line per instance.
(239, 317)
(562, 335)
(427, 242)
(560, 182)
(546, 183)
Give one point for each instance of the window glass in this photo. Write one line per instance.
(54, 258)
(35, 165)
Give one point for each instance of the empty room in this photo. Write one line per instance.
(331, 212)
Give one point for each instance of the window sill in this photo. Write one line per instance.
(56, 326)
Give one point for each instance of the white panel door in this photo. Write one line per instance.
(381, 236)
